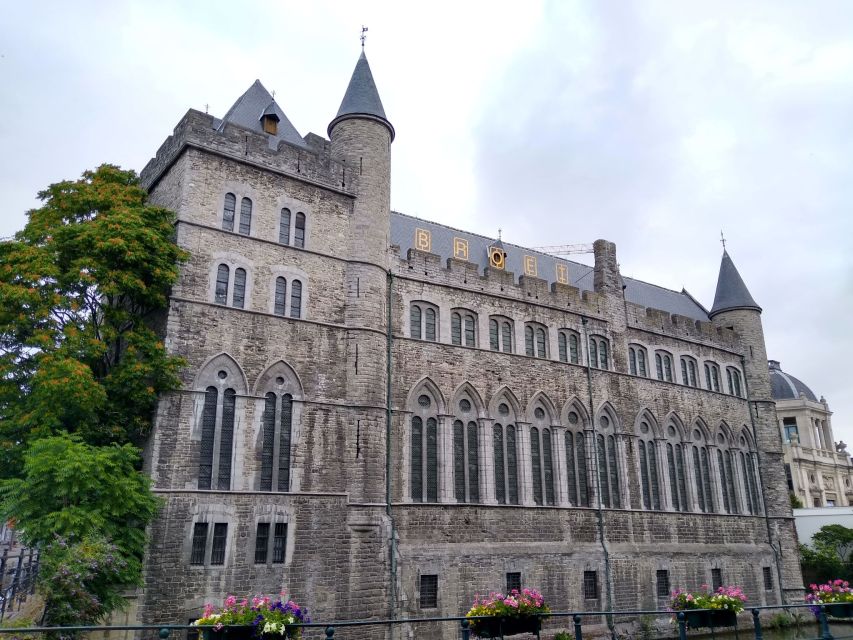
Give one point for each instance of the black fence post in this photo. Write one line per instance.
(3, 583)
(824, 625)
(17, 579)
(466, 630)
(757, 622)
(330, 632)
(578, 630)
(36, 571)
(682, 626)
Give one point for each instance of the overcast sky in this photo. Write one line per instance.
(651, 124)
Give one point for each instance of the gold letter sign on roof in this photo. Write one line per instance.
(423, 240)
(497, 258)
(562, 273)
(460, 248)
(530, 265)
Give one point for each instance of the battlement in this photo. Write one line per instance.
(679, 326)
(198, 129)
(466, 275)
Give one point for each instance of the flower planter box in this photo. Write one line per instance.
(493, 627)
(711, 618)
(840, 610)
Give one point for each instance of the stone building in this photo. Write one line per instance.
(819, 469)
(386, 415)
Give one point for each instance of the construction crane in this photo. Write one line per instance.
(565, 249)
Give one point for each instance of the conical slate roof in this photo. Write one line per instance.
(731, 291)
(257, 102)
(361, 98)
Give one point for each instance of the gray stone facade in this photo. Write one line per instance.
(358, 535)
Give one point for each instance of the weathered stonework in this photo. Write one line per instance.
(343, 527)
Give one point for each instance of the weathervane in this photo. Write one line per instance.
(723, 240)
(363, 36)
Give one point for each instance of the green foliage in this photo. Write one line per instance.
(81, 285)
(781, 620)
(796, 503)
(563, 635)
(72, 489)
(829, 557)
(82, 581)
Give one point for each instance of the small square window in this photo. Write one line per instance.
(768, 578)
(590, 585)
(513, 582)
(662, 583)
(262, 539)
(429, 591)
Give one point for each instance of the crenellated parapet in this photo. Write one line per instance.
(422, 265)
(312, 164)
(678, 326)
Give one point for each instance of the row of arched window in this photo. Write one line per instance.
(291, 229)
(223, 404)
(690, 372)
(497, 454)
(233, 293)
(424, 324)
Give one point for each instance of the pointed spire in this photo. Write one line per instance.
(361, 99)
(731, 290)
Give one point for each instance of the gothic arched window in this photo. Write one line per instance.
(424, 449)
(542, 457)
(676, 469)
(504, 445)
(466, 461)
(609, 471)
(576, 457)
(649, 464)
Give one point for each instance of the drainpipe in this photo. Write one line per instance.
(776, 552)
(392, 548)
(599, 512)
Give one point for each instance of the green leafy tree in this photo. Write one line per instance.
(82, 287)
(85, 506)
(829, 557)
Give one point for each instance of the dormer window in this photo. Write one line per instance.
(269, 120)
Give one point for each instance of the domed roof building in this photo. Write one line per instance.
(819, 469)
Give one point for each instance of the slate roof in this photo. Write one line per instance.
(249, 108)
(731, 290)
(361, 97)
(580, 275)
(784, 386)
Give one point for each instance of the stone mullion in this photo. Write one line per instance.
(558, 456)
(487, 461)
(445, 459)
(525, 471)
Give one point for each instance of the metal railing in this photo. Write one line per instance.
(18, 574)
(581, 624)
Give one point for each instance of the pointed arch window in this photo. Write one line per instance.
(466, 456)
(245, 216)
(609, 471)
(649, 478)
(663, 365)
(748, 469)
(505, 457)
(277, 442)
(463, 328)
(424, 450)
(728, 482)
(228, 212)
(702, 479)
(677, 475)
(576, 461)
(542, 458)
(217, 439)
